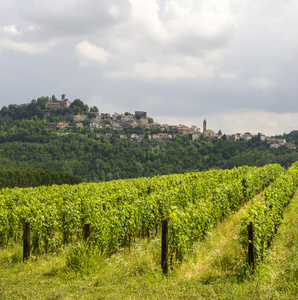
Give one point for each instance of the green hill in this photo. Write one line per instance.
(29, 139)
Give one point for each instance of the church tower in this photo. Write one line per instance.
(204, 126)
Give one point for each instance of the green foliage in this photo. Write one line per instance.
(81, 259)
(26, 177)
(267, 216)
(121, 210)
(78, 107)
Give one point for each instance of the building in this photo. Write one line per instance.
(208, 132)
(290, 146)
(140, 114)
(127, 118)
(195, 136)
(105, 116)
(247, 136)
(59, 104)
(155, 125)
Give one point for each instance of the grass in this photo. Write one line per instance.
(215, 269)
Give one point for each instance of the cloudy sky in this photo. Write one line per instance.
(231, 62)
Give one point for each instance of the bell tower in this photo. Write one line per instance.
(204, 125)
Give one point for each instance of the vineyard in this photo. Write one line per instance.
(128, 215)
(121, 211)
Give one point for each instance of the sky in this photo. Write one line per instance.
(231, 62)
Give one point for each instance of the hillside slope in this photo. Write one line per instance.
(28, 139)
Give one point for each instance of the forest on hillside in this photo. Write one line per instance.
(26, 139)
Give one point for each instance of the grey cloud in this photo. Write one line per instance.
(74, 18)
(187, 63)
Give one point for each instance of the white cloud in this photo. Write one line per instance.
(145, 15)
(28, 48)
(88, 53)
(202, 19)
(10, 30)
(114, 11)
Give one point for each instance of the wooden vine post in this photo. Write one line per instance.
(251, 260)
(26, 241)
(87, 233)
(164, 247)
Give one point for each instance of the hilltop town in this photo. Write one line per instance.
(139, 126)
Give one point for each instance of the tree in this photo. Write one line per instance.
(94, 109)
(78, 107)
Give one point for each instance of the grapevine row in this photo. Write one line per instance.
(267, 215)
(190, 224)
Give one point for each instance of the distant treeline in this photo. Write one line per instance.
(28, 177)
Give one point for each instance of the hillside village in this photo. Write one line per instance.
(120, 123)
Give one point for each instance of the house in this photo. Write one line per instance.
(94, 125)
(163, 136)
(290, 146)
(195, 128)
(137, 138)
(234, 137)
(195, 136)
(133, 136)
(165, 127)
(105, 116)
(239, 136)
(155, 125)
(276, 143)
(147, 126)
(79, 117)
(213, 136)
(117, 127)
(140, 114)
(182, 129)
(247, 136)
(274, 146)
(127, 118)
(262, 137)
(279, 141)
(117, 116)
(60, 125)
(174, 128)
(209, 132)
